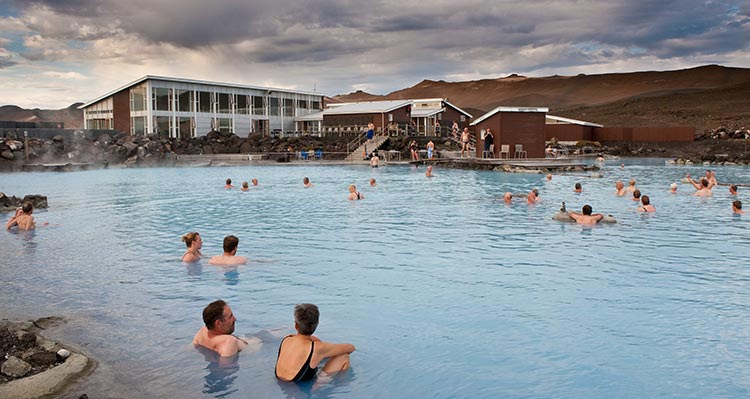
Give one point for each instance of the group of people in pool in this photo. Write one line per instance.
(245, 185)
(300, 355)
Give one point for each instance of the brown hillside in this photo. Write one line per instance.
(358, 95)
(569, 91)
(72, 117)
(702, 109)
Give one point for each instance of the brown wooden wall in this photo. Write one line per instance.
(511, 128)
(619, 133)
(565, 132)
(451, 115)
(401, 116)
(121, 111)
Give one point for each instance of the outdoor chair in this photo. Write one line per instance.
(505, 149)
(303, 155)
(490, 153)
(520, 153)
(319, 154)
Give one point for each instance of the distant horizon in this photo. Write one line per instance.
(57, 52)
(403, 88)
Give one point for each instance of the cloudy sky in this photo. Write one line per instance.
(57, 52)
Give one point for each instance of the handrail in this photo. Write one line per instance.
(358, 139)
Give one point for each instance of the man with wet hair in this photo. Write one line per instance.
(704, 186)
(586, 217)
(22, 219)
(733, 189)
(647, 207)
(228, 184)
(216, 335)
(637, 195)
(737, 207)
(578, 188)
(229, 256)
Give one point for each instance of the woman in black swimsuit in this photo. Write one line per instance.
(300, 354)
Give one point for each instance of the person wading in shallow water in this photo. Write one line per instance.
(229, 257)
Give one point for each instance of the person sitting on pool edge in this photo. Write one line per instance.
(300, 354)
(194, 244)
(586, 217)
(216, 335)
(229, 257)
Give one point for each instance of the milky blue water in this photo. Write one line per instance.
(445, 291)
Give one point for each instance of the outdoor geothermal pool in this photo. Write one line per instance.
(445, 290)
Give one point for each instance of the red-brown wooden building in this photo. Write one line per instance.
(513, 126)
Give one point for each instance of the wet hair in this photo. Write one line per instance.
(213, 312)
(244, 184)
(230, 243)
(737, 204)
(255, 181)
(733, 187)
(536, 192)
(637, 193)
(229, 181)
(306, 315)
(704, 182)
(189, 238)
(27, 207)
(305, 180)
(645, 200)
(578, 186)
(587, 210)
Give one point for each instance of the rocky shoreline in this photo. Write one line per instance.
(716, 147)
(32, 366)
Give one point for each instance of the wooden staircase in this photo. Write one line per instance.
(367, 146)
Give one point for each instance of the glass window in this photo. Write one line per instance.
(314, 104)
(224, 104)
(259, 105)
(161, 125)
(302, 104)
(274, 106)
(243, 106)
(204, 101)
(138, 125)
(161, 99)
(138, 99)
(185, 127)
(185, 100)
(288, 107)
(225, 125)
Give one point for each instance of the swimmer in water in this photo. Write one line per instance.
(228, 184)
(673, 188)
(578, 188)
(22, 219)
(245, 186)
(737, 207)
(306, 182)
(229, 256)
(646, 205)
(586, 217)
(533, 197)
(354, 194)
(429, 171)
(194, 244)
(620, 188)
(216, 335)
(508, 198)
(373, 183)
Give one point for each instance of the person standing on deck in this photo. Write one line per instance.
(370, 130)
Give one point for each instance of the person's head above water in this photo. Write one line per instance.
(306, 317)
(645, 200)
(637, 194)
(586, 210)
(190, 238)
(230, 243)
(255, 181)
(229, 181)
(305, 180)
(27, 208)
(245, 185)
(373, 182)
(578, 186)
(218, 317)
(737, 204)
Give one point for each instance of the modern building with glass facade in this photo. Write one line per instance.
(174, 107)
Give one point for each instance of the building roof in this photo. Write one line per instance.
(369, 107)
(425, 112)
(444, 101)
(509, 109)
(315, 116)
(573, 121)
(193, 81)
